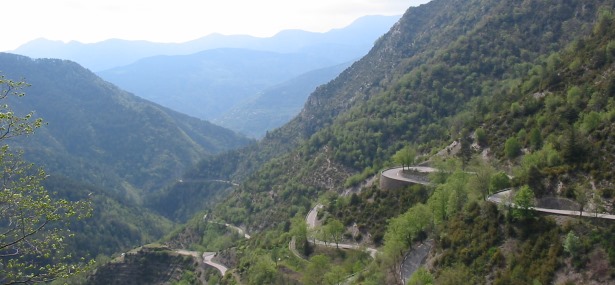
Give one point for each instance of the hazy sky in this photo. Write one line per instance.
(178, 20)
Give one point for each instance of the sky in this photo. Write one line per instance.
(89, 21)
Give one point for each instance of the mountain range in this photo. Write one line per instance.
(209, 83)
(217, 78)
(494, 95)
(338, 44)
(523, 86)
(277, 105)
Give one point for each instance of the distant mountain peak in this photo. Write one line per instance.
(112, 53)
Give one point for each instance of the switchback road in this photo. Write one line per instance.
(504, 196)
(414, 174)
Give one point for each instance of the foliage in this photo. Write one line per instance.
(33, 223)
(421, 277)
(465, 149)
(450, 197)
(572, 244)
(512, 148)
(481, 181)
(335, 229)
(507, 67)
(371, 208)
(148, 265)
(316, 270)
(452, 275)
(461, 243)
(481, 137)
(499, 181)
(501, 68)
(416, 92)
(119, 225)
(100, 135)
(404, 230)
(263, 272)
(524, 200)
(299, 229)
(405, 156)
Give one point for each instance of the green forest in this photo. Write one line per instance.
(496, 96)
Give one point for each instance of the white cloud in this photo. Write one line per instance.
(178, 20)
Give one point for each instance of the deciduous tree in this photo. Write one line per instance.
(524, 201)
(482, 178)
(572, 244)
(316, 270)
(499, 181)
(299, 229)
(512, 148)
(405, 156)
(582, 196)
(33, 224)
(335, 229)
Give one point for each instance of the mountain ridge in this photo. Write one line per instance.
(447, 71)
(208, 83)
(275, 106)
(88, 117)
(98, 58)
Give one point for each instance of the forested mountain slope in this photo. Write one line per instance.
(277, 105)
(104, 136)
(409, 87)
(528, 83)
(105, 145)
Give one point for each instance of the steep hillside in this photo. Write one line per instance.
(527, 84)
(149, 265)
(115, 225)
(108, 146)
(410, 88)
(104, 136)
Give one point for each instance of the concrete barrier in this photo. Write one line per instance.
(393, 178)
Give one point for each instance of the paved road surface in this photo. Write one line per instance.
(397, 174)
(207, 256)
(501, 198)
(414, 259)
(188, 252)
(371, 251)
(310, 219)
(238, 229)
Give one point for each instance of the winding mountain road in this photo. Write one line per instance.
(239, 230)
(207, 259)
(208, 256)
(236, 228)
(372, 251)
(414, 259)
(504, 196)
(311, 220)
(311, 217)
(407, 175)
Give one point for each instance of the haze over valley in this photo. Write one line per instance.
(463, 140)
